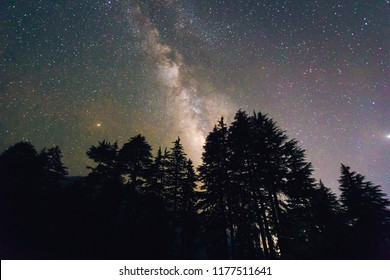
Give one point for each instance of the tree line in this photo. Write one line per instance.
(253, 197)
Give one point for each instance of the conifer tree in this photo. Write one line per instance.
(189, 214)
(157, 174)
(268, 171)
(266, 191)
(189, 186)
(244, 214)
(326, 243)
(214, 198)
(107, 170)
(177, 165)
(367, 216)
(135, 158)
(52, 164)
(28, 196)
(179, 190)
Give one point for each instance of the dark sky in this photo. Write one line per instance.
(75, 72)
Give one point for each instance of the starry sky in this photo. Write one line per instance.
(74, 72)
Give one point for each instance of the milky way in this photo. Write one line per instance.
(194, 115)
(76, 72)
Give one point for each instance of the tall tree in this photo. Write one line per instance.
(20, 166)
(107, 170)
(367, 216)
(158, 172)
(179, 189)
(28, 199)
(189, 187)
(177, 173)
(214, 203)
(136, 158)
(52, 163)
(105, 182)
(327, 243)
(189, 214)
(268, 170)
(244, 212)
(297, 224)
(266, 189)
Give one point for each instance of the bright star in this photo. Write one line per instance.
(388, 136)
(98, 124)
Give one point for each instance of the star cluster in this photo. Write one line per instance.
(75, 72)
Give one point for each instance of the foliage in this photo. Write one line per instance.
(253, 197)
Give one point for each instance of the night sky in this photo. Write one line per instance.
(75, 72)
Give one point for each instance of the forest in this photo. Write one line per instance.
(253, 197)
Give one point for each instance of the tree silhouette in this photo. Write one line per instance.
(20, 166)
(136, 158)
(107, 171)
(158, 173)
(268, 172)
(188, 215)
(215, 203)
(328, 242)
(52, 164)
(28, 191)
(258, 191)
(254, 198)
(177, 162)
(367, 216)
(105, 183)
(241, 186)
(189, 186)
(180, 197)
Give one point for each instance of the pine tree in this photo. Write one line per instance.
(245, 241)
(326, 243)
(105, 183)
(189, 187)
(214, 203)
(158, 173)
(262, 187)
(177, 162)
(52, 164)
(367, 216)
(19, 166)
(189, 215)
(28, 199)
(20, 187)
(180, 196)
(135, 158)
(267, 172)
(297, 227)
(107, 171)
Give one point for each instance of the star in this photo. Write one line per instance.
(175, 68)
